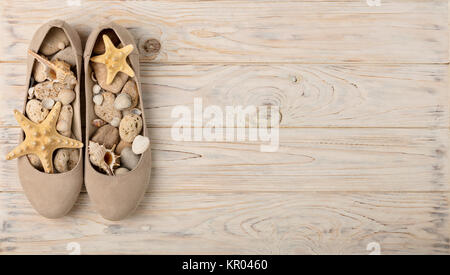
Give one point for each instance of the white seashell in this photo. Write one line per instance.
(103, 158)
(98, 99)
(96, 89)
(140, 144)
(115, 122)
(31, 93)
(48, 103)
(136, 111)
(122, 102)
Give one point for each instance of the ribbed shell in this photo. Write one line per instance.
(103, 158)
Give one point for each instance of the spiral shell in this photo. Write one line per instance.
(103, 158)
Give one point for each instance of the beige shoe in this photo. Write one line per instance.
(53, 195)
(115, 196)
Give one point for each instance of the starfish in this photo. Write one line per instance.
(115, 59)
(42, 139)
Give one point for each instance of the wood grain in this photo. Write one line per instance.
(307, 160)
(238, 223)
(307, 95)
(251, 31)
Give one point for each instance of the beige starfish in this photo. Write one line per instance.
(115, 59)
(42, 139)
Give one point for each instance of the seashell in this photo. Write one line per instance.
(130, 89)
(122, 102)
(64, 124)
(60, 70)
(48, 89)
(115, 122)
(122, 144)
(93, 77)
(140, 144)
(129, 159)
(106, 135)
(130, 127)
(35, 111)
(98, 99)
(101, 74)
(103, 158)
(41, 72)
(31, 93)
(54, 41)
(66, 96)
(35, 161)
(98, 122)
(121, 171)
(106, 110)
(67, 55)
(48, 103)
(136, 111)
(96, 89)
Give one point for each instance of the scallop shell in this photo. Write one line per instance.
(103, 158)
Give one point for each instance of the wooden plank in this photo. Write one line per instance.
(238, 223)
(307, 160)
(411, 31)
(308, 95)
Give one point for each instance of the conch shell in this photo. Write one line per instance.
(103, 158)
(60, 70)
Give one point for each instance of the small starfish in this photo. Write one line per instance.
(42, 139)
(115, 59)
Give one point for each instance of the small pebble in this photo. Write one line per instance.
(115, 122)
(129, 159)
(140, 144)
(48, 103)
(136, 111)
(66, 96)
(98, 99)
(96, 89)
(121, 171)
(122, 102)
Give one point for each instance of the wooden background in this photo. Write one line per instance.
(364, 138)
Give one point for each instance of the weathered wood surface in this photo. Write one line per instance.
(307, 95)
(307, 160)
(363, 94)
(252, 31)
(241, 223)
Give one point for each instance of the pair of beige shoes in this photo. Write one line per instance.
(53, 195)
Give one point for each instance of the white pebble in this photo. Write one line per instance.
(140, 144)
(48, 103)
(98, 99)
(115, 122)
(96, 89)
